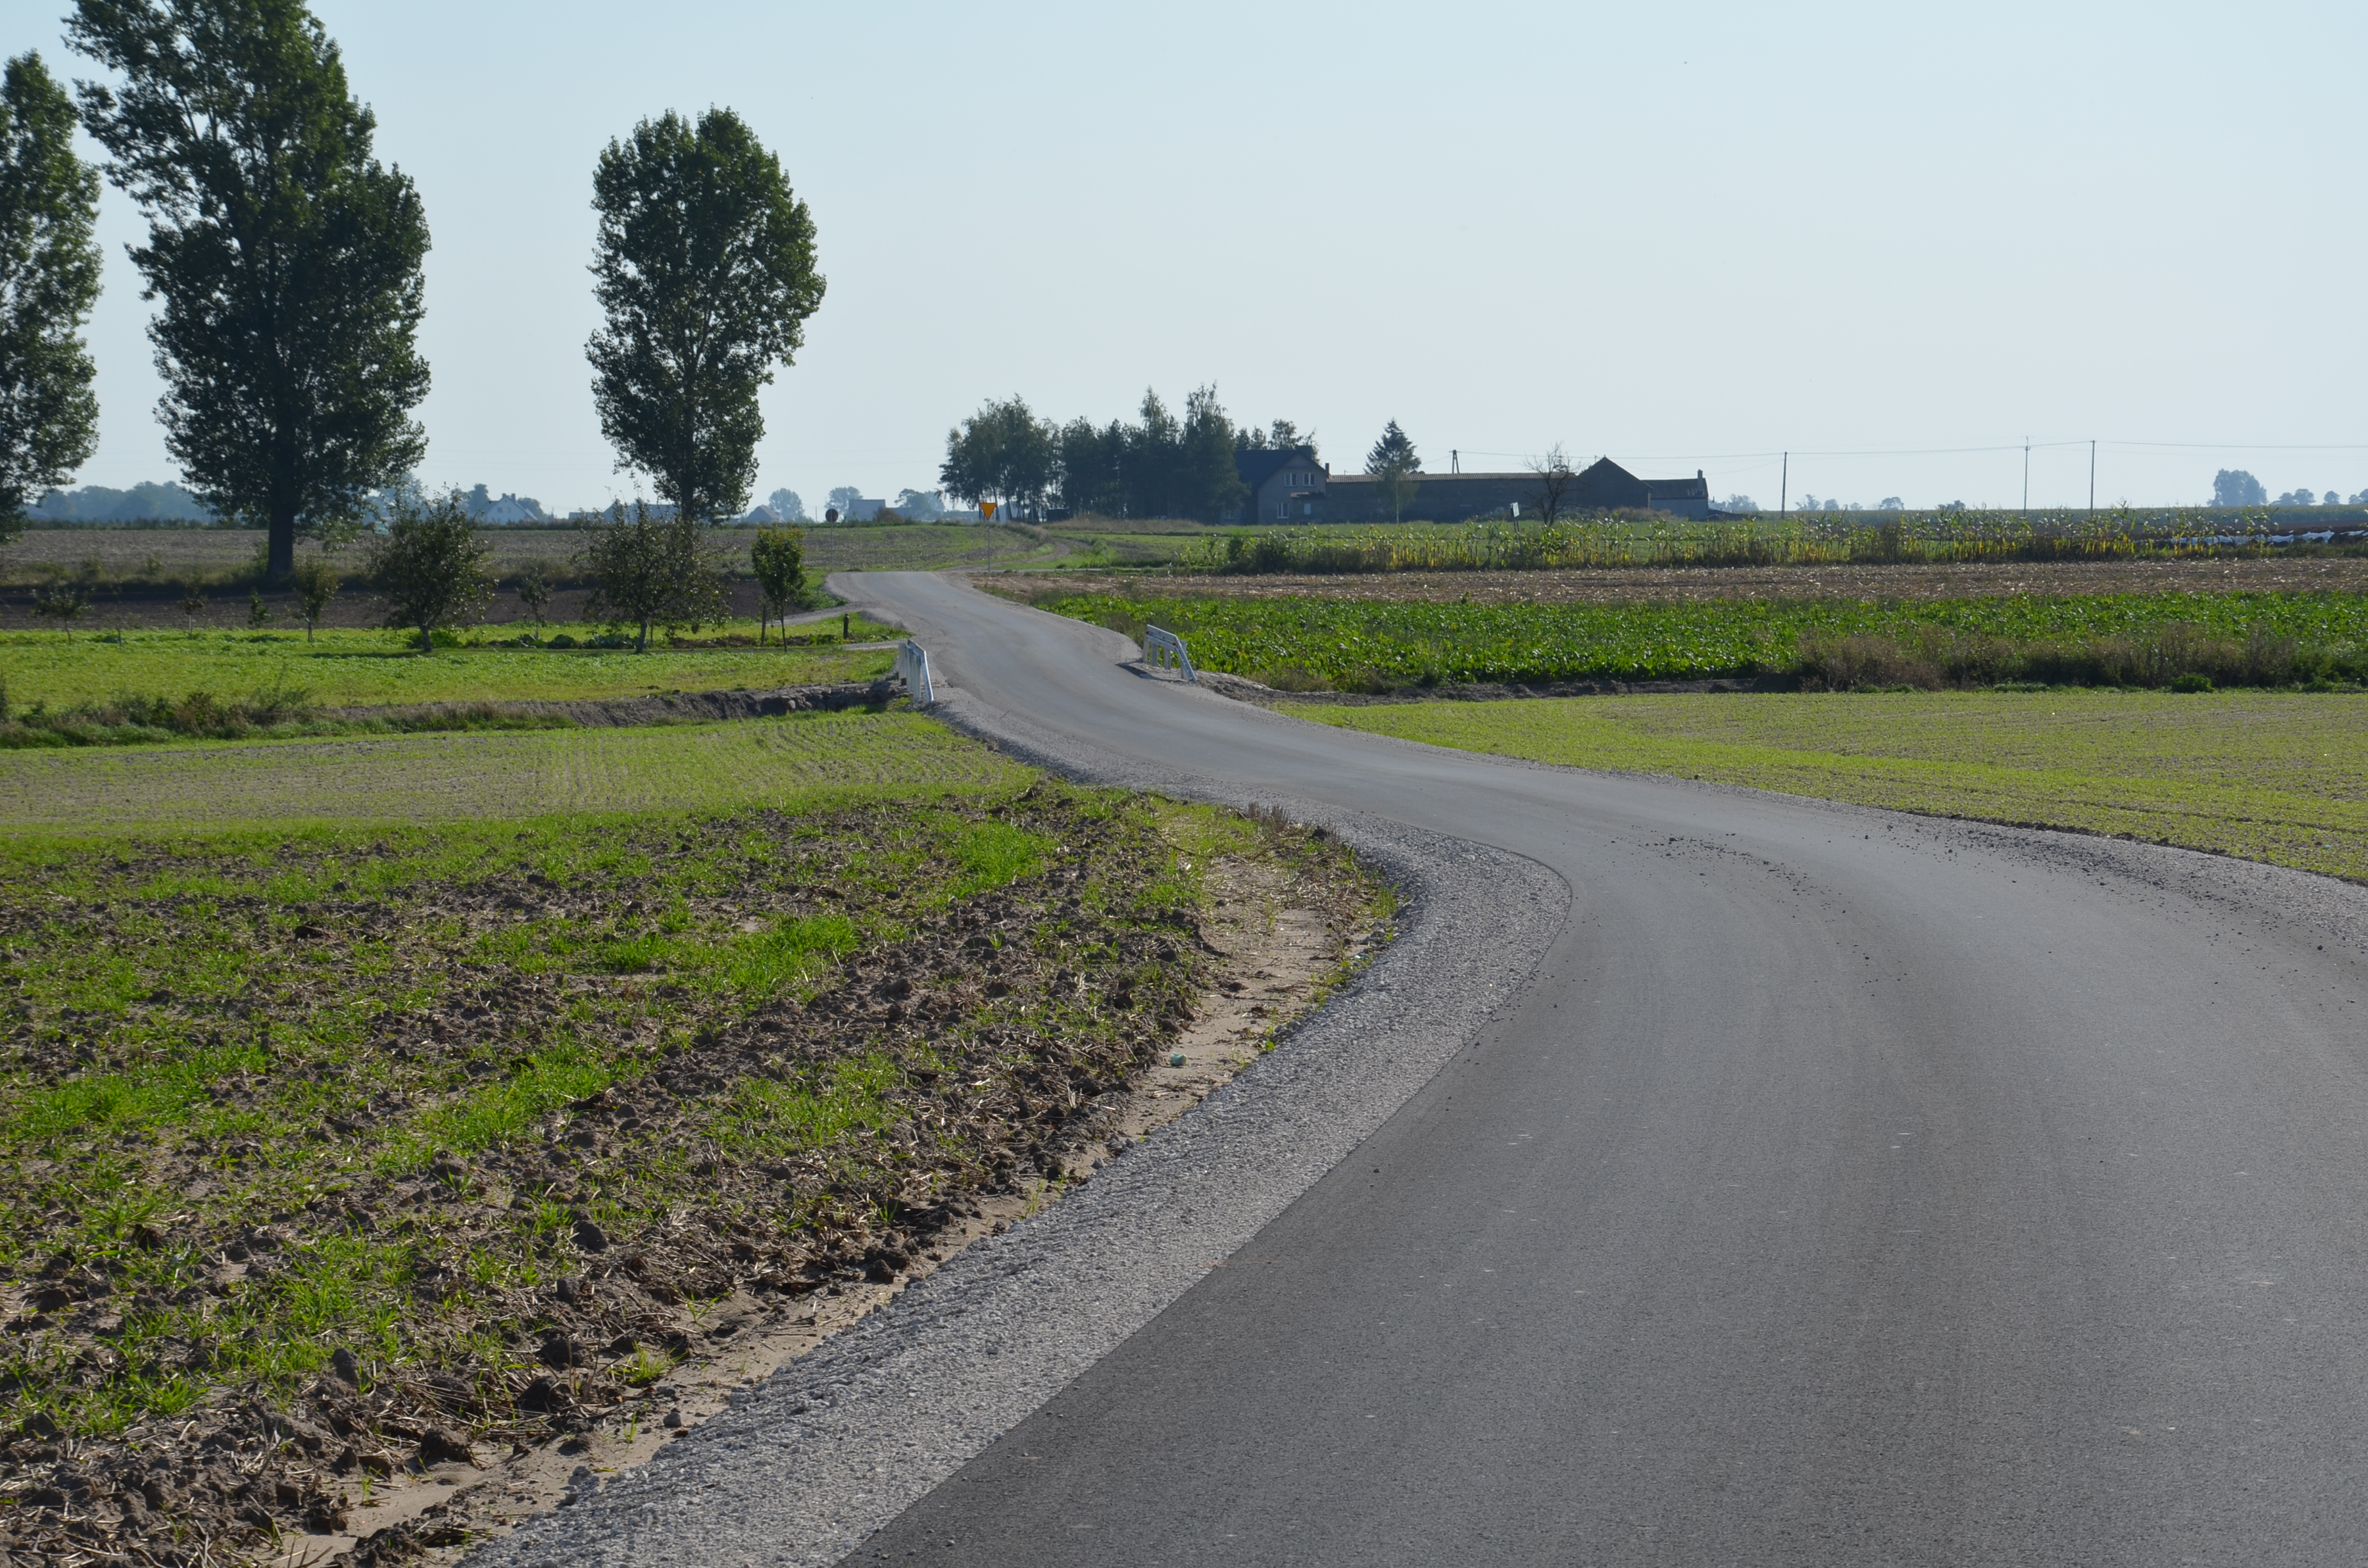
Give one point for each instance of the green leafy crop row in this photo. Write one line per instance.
(2108, 639)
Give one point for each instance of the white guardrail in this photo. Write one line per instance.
(913, 669)
(1164, 650)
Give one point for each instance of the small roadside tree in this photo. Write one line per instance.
(49, 279)
(285, 259)
(63, 602)
(534, 590)
(650, 571)
(779, 558)
(705, 268)
(1393, 462)
(430, 564)
(315, 582)
(1556, 477)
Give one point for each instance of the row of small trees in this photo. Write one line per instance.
(434, 570)
(648, 571)
(286, 261)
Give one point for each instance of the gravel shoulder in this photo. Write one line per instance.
(808, 1463)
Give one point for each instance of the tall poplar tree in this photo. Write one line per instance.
(49, 279)
(285, 259)
(705, 266)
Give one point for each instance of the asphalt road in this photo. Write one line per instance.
(1842, 1191)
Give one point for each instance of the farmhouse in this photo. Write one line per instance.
(1288, 485)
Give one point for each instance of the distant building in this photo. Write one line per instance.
(1686, 498)
(1286, 485)
(1602, 486)
(863, 510)
(514, 509)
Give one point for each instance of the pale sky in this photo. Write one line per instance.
(1684, 235)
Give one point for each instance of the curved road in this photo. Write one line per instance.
(1845, 1190)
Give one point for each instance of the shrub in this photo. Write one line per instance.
(61, 602)
(777, 557)
(317, 585)
(534, 590)
(651, 571)
(431, 566)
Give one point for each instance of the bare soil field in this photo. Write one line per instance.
(1665, 584)
(361, 1185)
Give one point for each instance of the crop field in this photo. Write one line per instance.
(2274, 777)
(455, 777)
(2138, 639)
(372, 1104)
(357, 668)
(1795, 539)
(2260, 573)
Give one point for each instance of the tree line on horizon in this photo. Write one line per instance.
(288, 264)
(1158, 466)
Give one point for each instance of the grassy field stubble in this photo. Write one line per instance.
(357, 668)
(453, 778)
(2275, 776)
(351, 1147)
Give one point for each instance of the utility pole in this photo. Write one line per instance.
(2092, 479)
(2026, 475)
(1784, 487)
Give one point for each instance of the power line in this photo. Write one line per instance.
(1956, 451)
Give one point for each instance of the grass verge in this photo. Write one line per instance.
(2269, 777)
(793, 763)
(348, 668)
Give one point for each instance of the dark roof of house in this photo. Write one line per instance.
(1694, 489)
(1257, 464)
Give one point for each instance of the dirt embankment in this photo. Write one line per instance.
(677, 708)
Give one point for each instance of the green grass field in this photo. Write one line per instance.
(343, 668)
(791, 763)
(2282, 778)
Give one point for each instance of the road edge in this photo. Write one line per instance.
(809, 1463)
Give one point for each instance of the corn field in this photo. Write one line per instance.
(1796, 539)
